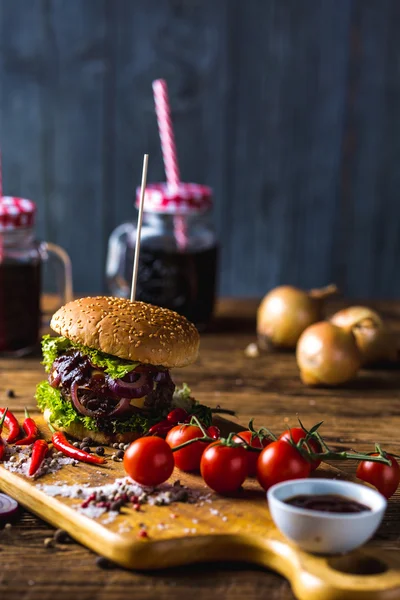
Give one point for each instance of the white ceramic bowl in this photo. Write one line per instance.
(323, 532)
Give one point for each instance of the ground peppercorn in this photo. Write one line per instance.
(61, 536)
(104, 563)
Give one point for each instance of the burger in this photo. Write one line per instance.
(109, 369)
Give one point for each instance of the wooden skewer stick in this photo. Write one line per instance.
(139, 227)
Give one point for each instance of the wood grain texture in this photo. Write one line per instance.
(267, 388)
(288, 109)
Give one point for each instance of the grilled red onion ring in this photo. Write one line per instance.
(78, 404)
(136, 389)
(123, 407)
(54, 378)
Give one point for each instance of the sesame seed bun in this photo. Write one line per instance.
(134, 331)
(79, 432)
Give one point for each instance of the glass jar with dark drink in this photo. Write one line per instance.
(178, 252)
(21, 258)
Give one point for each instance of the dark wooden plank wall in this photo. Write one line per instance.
(289, 109)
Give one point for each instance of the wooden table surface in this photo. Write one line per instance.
(267, 388)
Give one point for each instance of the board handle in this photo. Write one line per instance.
(365, 574)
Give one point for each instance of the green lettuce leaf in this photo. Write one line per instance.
(182, 399)
(63, 413)
(113, 366)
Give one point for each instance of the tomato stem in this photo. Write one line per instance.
(329, 455)
(262, 433)
(229, 441)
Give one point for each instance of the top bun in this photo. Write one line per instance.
(134, 331)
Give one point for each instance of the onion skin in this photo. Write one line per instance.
(327, 355)
(286, 312)
(374, 340)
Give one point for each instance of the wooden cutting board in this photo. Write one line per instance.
(215, 528)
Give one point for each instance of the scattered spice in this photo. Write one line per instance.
(48, 542)
(252, 351)
(143, 533)
(120, 454)
(10, 394)
(18, 461)
(110, 498)
(104, 563)
(61, 537)
(100, 450)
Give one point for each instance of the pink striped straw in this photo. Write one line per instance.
(166, 132)
(168, 148)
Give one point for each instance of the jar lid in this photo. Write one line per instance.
(184, 199)
(16, 213)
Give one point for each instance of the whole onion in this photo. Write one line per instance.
(286, 312)
(327, 355)
(374, 339)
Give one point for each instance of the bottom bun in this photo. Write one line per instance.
(79, 432)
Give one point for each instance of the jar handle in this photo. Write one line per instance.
(66, 292)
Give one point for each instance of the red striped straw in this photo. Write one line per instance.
(168, 148)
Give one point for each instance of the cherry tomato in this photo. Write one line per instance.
(149, 461)
(188, 458)
(298, 434)
(178, 415)
(224, 468)
(386, 479)
(251, 456)
(214, 432)
(280, 461)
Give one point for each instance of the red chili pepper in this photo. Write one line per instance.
(2, 442)
(39, 450)
(161, 429)
(31, 430)
(178, 415)
(62, 444)
(12, 425)
(214, 432)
